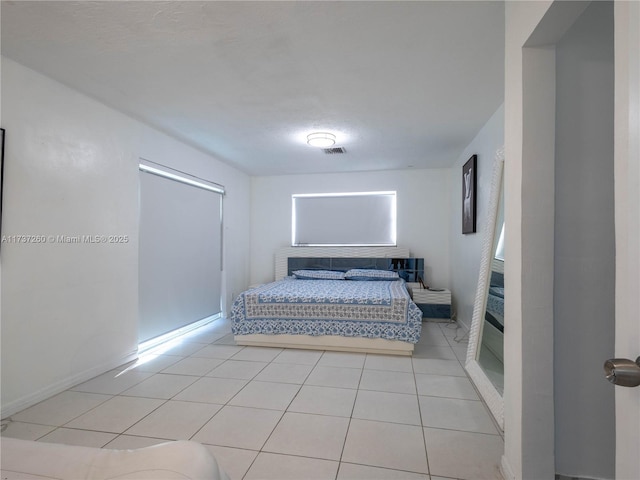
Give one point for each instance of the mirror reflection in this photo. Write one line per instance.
(490, 353)
(485, 353)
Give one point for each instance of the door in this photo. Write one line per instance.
(627, 211)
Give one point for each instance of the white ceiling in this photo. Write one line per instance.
(402, 84)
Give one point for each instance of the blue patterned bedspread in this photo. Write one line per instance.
(495, 303)
(376, 309)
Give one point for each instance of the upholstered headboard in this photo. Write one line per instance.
(343, 258)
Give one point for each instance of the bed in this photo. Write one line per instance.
(352, 302)
(495, 307)
(495, 301)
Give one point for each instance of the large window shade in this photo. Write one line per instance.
(179, 252)
(363, 218)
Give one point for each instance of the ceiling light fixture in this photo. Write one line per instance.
(321, 139)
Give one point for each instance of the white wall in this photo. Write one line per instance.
(69, 310)
(466, 249)
(521, 18)
(423, 214)
(532, 30)
(584, 261)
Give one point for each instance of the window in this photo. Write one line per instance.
(180, 279)
(338, 219)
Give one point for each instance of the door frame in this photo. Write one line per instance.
(529, 423)
(627, 221)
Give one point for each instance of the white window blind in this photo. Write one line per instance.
(336, 219)
(180, 242)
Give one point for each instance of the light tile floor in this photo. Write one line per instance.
(269, 413)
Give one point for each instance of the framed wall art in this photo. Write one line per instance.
(469, 183)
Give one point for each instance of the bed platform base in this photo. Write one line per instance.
(328, 342)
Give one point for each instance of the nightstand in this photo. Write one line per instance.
(435, 305)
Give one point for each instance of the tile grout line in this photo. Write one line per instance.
(358, 389)
(281, 417)
(499, 431)
(353, 407)
(424, 439)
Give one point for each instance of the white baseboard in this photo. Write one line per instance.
(505, 469)
(179, 332)
(463, 325)
(27, 401)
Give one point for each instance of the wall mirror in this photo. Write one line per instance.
(485, 354)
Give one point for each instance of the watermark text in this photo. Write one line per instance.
(64, 239)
